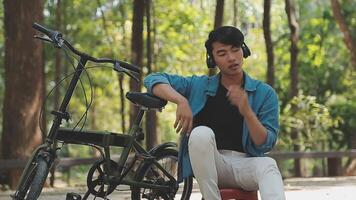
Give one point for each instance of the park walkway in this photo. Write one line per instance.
(328, 188)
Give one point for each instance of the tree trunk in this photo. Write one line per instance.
(152, 137)
(348, 40)
(122, 102)
(58, 63)
(269, 43)
(235, 11)
(23, 82)
(294, 35)
(121, 76)
(218, 21)
(334, 167)
(65, 151)
(136, 49)
(219, 13)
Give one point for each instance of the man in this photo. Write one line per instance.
(230, 120)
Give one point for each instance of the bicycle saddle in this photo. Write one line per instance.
(146, 99)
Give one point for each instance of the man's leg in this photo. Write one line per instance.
(259, 173)
(206, 161)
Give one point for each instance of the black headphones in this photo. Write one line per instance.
(210, 59)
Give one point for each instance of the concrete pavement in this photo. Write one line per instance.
(326, 188)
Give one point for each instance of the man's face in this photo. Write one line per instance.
(228, 58)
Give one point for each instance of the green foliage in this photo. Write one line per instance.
(179, 44)
(344, 109)
(84, 27)
(311, 120)
(319, 50)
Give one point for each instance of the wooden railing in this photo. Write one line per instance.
(326, 154)
(67, 163)
(61, 162)
(333, 159)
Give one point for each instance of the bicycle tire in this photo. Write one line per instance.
(23, 189)
(136, 193)
(39, 179)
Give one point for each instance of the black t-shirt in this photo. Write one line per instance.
(224, 119)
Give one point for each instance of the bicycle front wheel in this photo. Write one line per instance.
(24, 185)
(38, 180)
(149, 173)
(34, 181)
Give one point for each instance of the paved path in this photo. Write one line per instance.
(338, 188)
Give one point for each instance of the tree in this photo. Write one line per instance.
(235, 11)
(219, 13)
(218, 21)
(152, 138)
(269, 43)
(123, 18)
(348, 40)
(58, 63)
(294, 36)
(136, 48)
(23, 82)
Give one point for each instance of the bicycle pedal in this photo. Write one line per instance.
(73, 196)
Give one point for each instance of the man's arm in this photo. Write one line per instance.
(238, 97)
(184, 116)
(258, 132)
(173, 88)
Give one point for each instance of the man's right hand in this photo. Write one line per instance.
(184, 117)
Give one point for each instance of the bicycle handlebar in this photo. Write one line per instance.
(57, 38)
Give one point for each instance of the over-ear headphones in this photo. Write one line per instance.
(210, 59)
(245, 50)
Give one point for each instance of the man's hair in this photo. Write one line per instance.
(227, 35)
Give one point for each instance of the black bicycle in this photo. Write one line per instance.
(156, 175)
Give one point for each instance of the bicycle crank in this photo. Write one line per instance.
(96, 182)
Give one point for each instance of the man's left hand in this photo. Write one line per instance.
(238, 97)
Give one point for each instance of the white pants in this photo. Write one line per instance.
(214, 169)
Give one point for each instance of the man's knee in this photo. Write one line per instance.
(200, 136)
(266, 165)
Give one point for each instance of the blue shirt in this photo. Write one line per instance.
(262, 99)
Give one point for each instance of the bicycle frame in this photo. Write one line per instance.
(127, 141)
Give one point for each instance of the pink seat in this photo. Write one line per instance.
(238, 194)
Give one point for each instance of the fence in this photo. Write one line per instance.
(333, 160)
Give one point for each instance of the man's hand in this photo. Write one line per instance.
(184, 118)
(238, 97)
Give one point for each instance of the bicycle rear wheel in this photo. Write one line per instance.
(149, 173)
